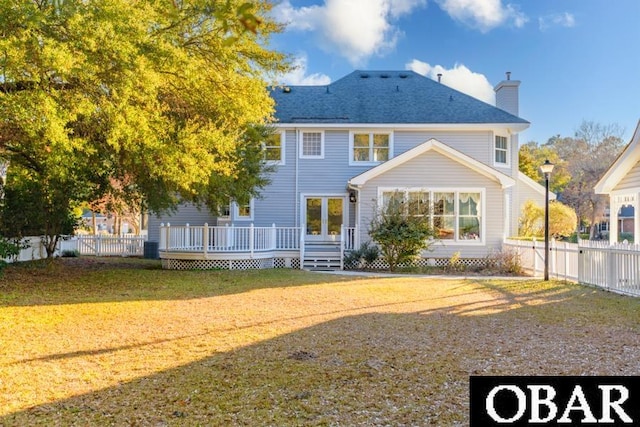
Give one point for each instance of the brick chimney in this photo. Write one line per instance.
(507, 95)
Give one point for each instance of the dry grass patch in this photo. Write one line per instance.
(120, 342)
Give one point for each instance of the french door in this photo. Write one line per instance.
(324, 217)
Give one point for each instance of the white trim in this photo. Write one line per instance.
(303, 207)
(456, 190)
(437, 146)
(508, 127)
(370, 132)
(236, 211)
(302, 155)
(283, 150)
(621, 166)
(507, 150)
(538, 188)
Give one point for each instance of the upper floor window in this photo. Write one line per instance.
(274, 148)
(370, 147)
(312, 145)
(501, 150)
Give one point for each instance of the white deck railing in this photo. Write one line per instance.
(615, 267)
(228, 239)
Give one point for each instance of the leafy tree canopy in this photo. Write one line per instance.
(562, 220)
(580, 161)
(159, 101)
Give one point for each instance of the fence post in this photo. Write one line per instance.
(168, 236)
(252, 240)
(205, 238)
(301, 243)
(274, 237)
(535, 257)
(566, 261)
(553, 250)
(343, 238)
(611, 267)
(98, 244)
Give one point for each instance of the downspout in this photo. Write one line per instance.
(296, 200)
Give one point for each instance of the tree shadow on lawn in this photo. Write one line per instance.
(376, 368)
(96, 280)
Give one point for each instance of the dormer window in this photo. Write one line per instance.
(501, 150)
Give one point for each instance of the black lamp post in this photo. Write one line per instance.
(546, 169)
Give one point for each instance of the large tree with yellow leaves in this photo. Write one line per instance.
(156, 101)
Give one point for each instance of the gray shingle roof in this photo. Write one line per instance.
(384, 97)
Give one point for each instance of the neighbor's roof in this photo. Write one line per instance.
(394, 97)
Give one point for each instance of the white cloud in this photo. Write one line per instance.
(483, 15)
(298, 76)
(565, 19)
(356, 29)
(459, 77)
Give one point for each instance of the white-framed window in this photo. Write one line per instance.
(312, 145)
(273, 148)
(370, 147)
(455, 214)
(224, 211)
(243, 212)
(501, 150)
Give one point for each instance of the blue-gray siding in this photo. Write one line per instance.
(432, 170)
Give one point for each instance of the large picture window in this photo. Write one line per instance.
(455, 215)
(370, 147)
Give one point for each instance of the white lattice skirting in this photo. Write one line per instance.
(231, 264)
(381, 264)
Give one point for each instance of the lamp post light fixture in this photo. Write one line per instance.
(546, 168)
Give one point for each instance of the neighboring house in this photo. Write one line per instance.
(622, 183)
(626, 215)
(345, 148)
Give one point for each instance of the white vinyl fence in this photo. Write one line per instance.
(85, 245)
(613, 267)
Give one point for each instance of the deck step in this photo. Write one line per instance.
(322, 257)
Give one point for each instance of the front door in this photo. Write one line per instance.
(324, 217)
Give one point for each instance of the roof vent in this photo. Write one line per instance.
(508, 75)
(286, 89)
(384, 76)
(364, 76)
(403, 76)
(439, 77)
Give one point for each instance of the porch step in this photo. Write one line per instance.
(322, 257)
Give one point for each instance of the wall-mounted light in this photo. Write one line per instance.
(353, 197)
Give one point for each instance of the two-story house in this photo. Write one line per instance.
(344, 149)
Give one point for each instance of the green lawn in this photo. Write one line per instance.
(121, 342)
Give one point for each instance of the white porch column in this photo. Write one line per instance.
(613, 219)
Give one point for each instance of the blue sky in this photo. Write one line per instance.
(577, 59)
